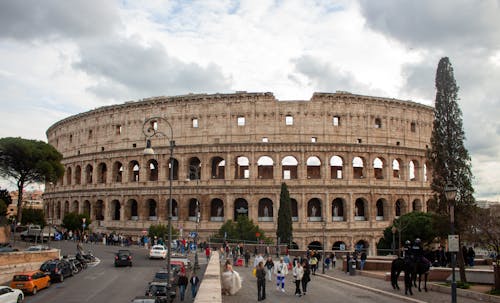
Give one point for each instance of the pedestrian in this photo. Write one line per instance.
(313, 262)
(334, 260)
(306, 277)
(471, 254)
(363, 260)
(258, 259)
(327, 262)
(269, 266)
(298, 273)
(247, 257)
(207, 253)
(182, 281)
(194, 281)
(281, 270)
(261, 281)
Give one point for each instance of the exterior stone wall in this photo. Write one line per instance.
(352, 161)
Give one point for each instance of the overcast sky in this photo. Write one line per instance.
(60, 58)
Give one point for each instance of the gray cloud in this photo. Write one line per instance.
(33, 19)
(135, 70)
(429, 23)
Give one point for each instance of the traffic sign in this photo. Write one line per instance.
(193, 234)
(453, 245)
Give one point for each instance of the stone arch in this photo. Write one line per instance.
(360, 209)
(295, 209)
(338, 205)
(102, 171)
(336, 167)
(75, 206)
(399, 207)
(69, 176)
(413, 170)
(358, 167)
(314, 211)
(417, 205)
(152, 170)
(339, 245)
(117, 173)
(58, 210)
(194, 169)
(152, 209)
(265, 210)
(133, 211)
(86, 207)
(313, 168)
(240, 208)
(194, 207)
(315, 245)
(289, 169)
(362, 245)
(78, 175)
(175, 209)
(241, 168)
(175, 169)
(265, 167)
(217, 210)
(99, 210)
(88, 173)
(379, 168)
(115, 210)
(396, 169)
(133, 171)
(218, 168)
(381, 206)
(66, 208)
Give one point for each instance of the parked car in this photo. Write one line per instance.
(158, 252)
(57, 269)
(123, 258)
(10, 295)
(35, 232)
(162, 291)
(37, 248)
(183, 259)
(7, 248)
(30, 281)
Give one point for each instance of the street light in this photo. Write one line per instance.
(323, 223)
(450, 192)
(150, 129)
(394, 229)
(196, 264)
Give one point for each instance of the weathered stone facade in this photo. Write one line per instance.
(354, 161)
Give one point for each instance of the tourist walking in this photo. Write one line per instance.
(194, 281)
(258, 259)
(182, 282)
(363, 261)
(261, 281)
(306, 277)
(298, 273)
(247, 257)
(281, 270)
(313, 262)
(269, 266)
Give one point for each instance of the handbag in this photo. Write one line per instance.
(254, 272)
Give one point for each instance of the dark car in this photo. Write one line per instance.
(123, 258)
(57, 269)
(161, 291)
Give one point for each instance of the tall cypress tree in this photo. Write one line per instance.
(448, 156)
(284, 231)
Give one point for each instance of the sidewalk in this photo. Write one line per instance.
(376, 280)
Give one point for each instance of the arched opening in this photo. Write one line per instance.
(134, 211)
(134, 169)
(66, 208)
(295, 210)
(396, 164)
(380, 210)
(117, 172)
(99, 210)
(315, 245)
(175, 169)
(175, 209)
(417, 205)
(151, 203)
(361, 245)
(218, 168)
(358, 168)
(314, 210)
(378, 168)
(265, 211)
(194, 169)
(75, 206)
(265, 166)
(78, 175)
(313, 168)
(115, 204)
(336, 165)
(378, 123)
(68, 176)
(289, 167)
(359, 210)
(240, 208)
(338, 209)
(88, 174)
(413, 168)
(217, 210)
(152, 172)
(194, 209)
(86, 208)
(339, 245)
(58, 210)
(102, 171)
(242, 168)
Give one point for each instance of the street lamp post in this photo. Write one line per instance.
(196, 264)
(323, 223)
(150, 129)
(394, 229)
(451, 192)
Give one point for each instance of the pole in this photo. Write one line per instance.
(196, 264)
(453, 256)
(324, 244)
(170, 178)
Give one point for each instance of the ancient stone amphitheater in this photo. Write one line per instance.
(352, 164)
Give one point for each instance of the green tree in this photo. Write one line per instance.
(161, 231)
(74, 221)
(285, 229)
(409, 227)
(3, 208)
(27, 161)
(243, 229)
(5, 197)
(33, 216)
(449, 159)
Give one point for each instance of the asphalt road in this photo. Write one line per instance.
(104, 282)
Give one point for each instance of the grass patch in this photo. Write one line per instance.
(494, 292)
(460, 284)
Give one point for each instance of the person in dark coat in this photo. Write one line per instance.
(261, 281)
(194, 281)
(182, 282)
(306, 277)
(247, 257)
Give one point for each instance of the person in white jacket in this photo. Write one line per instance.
(298, 272)
(281, 270)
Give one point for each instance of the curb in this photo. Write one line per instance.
(465, 293)
(400, 297)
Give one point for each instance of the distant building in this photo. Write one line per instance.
(31, 199)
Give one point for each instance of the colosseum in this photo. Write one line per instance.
(352, 164)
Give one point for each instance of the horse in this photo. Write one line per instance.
(397, 266)
(421, 268)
